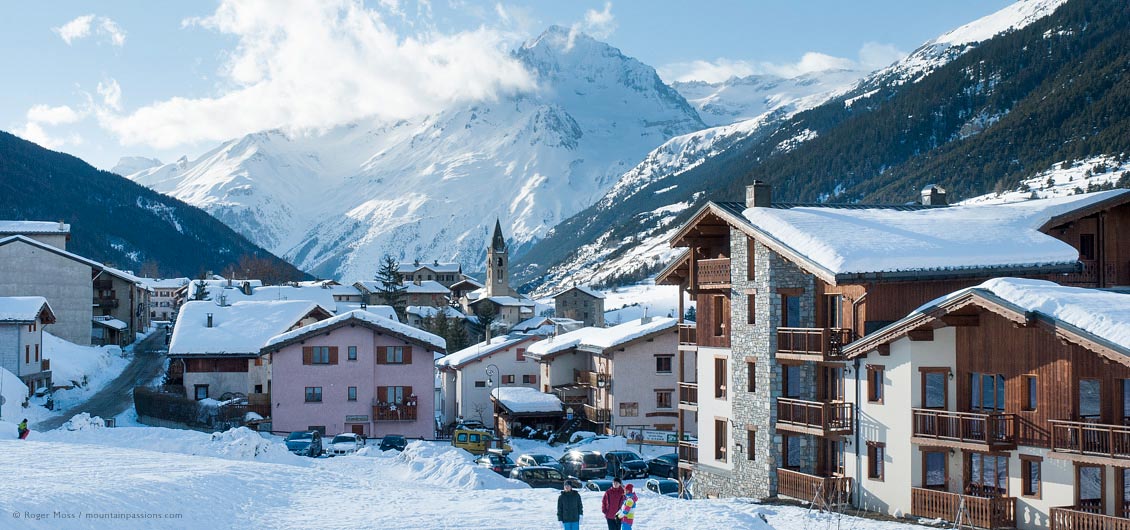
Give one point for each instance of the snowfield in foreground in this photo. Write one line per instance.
(238, 479)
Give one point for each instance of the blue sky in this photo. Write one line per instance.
(167, 79)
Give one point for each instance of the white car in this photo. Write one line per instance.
(345, 443)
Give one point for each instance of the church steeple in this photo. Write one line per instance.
(498, 265)
(498, 243)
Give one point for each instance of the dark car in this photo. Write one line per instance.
(666, 487)
(305, 443)
(498, 462)
(598, 485)
(539, 476)
(664, 465)
(584, 464)
(538, 459)
(626, 464)
(393, 441)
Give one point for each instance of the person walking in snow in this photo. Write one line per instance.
(627, 513)
(569, 508)
(23, 430)
(610, 503)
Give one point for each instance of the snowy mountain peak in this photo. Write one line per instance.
(128, 165)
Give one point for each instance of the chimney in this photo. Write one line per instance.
(209, 319)
(933, 195)
(645, 319)
(62, 226)
(758, 194)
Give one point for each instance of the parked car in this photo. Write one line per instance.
(666, 487)
(474, 442)
(598, 485)
(345, 443)
(471, 425)
(497, 461)
(538, 459)
(584, 464)
(626, 464)
(539, 476)
(393, 441)
(666, 466)
(305, 443)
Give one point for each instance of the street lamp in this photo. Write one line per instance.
(492, 381)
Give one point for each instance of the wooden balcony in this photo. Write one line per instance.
(688, 454)
(1090, 442)
(597, 415)
(1089, 275)
(713, 273)
(814, 417)
(1072, 518)
(964, 430)
(105, 302)
(390, 412)
(585, 378)
(688, 396)
(688, 336)
(832, 490)
(982, 512)
(812, 344)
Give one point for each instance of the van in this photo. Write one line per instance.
(473, 441)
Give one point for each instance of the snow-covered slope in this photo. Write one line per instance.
(334, 202)
(1066, 178)
(745, 98)
(128, 165)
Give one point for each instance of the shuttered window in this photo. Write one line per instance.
(394, 355)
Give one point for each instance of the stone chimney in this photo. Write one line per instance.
(758, 194)
(934, 195)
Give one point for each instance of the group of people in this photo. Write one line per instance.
(618, 506)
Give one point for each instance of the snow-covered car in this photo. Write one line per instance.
(666, 465)
(393, 442)
(598, 485)
(539, 476)
(666, 487)
(538, 459)
(626, 464)
(345, 443)
(497, 461)
(305, 443)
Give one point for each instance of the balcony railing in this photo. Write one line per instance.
(714, 272)
(1089, 274)
(106, 302)
(832, 490)
(688, 452)
(985, 431)
(983, 512)
(688, 334)
(598, 415)
(812, 344)
(1072, 518)
(814, 417)
(394, 412)
(1091, 439)
(688, 394)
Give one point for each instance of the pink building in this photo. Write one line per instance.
(356, 372)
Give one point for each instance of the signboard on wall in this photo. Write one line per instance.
(356, 419)
(638, 435)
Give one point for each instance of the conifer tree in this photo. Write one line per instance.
(390, 291)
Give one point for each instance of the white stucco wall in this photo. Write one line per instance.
(26, 270)
(710, 408)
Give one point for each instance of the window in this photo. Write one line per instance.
(628, 410)
(393, 394)
(1126, 401)
(663, 399)
(1030, 393)
(934, 388)
(987, 392)
(833, 382)
(351, 393)
(792, 457)
(720, 439)
(480, 384)
(751, 375)
(876, 452)
(663, 364)
(258, 389)
(520, 355)
(1030, 475)
(200, 392)
(833, 311)
(352, 353)
(719, 316)
(790, 311)
(874, 383)
(508, 379)
(1090, 398)
(988, 474)
(1122, 490)
(720, 378)
(751, 308)
(529, 379)
(1089, 486)
(27, 353)
(790, 380)
(751, 443)
(934, 470)
(313, 394)
(394, 355)
(751, 250)
(1087, 246)
(319, 355)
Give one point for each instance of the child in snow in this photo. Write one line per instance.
(627, 513)
(569, 508)
(611, 502)
(23, 430)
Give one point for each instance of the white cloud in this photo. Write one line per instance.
(111, 94)
(597, 24)
(34, 132)
(310, 65)
(86, 25)
(872, 56)
(48, 115)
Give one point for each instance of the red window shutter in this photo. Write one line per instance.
(407, 392)
(382, 393)
(333, 354)
(382, 355)
(307, 355)
(407, 355)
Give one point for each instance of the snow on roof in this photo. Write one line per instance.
(426, 287)
(603, 338)
(424, 311)
(34, 227)
(408, 268)
(1104, 314)
(380, 310)
(510, 301)
(856, 241)
(470, 281)
(49, 248)
(110, 322)
(127, 276)
(318, 295)
(240, 328)
(164, 283)
(584, 289)
(522, 399)
(483, 349)
(392, 326)
(21, 308)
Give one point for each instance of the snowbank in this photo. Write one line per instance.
(451, 467)
(15, 392)
(84, 421)
(235, 444)
(70, 363)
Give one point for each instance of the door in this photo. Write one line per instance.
(357, 428)
(1089, 486)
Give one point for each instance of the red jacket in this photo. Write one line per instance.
(610, 503)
